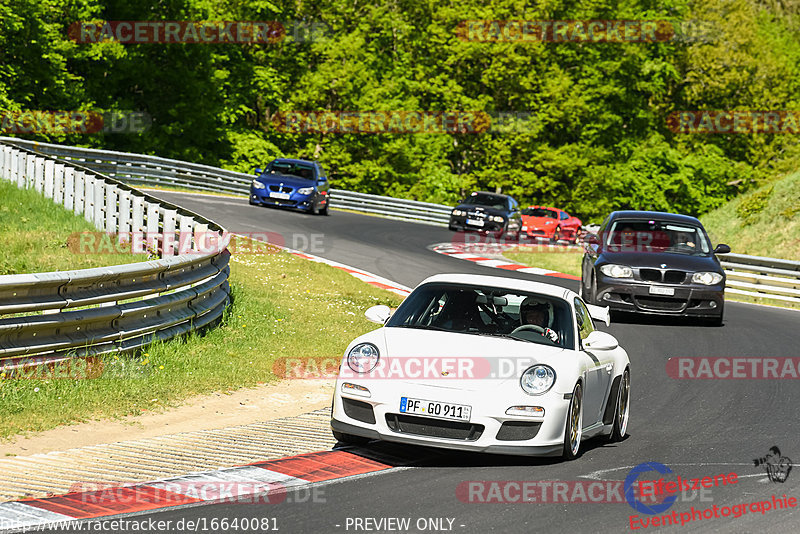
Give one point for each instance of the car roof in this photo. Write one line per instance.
(488, 193)
(289, 160)
(663, 216)
(502, 282)
(545, 208)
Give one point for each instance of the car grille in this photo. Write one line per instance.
(660, 303)
(435, 428)
(360, 411)
(279, 189)
(518, 430)
(650, 275)
(674, 277)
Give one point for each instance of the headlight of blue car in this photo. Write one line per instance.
(306, 190)
(258, 185)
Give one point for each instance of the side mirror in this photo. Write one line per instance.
(598, 340)
(378, 314)
(258, 171)
(722, 249)
(600, 313)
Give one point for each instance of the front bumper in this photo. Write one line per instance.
(488, 430)
(635, 296)
(460, 224)
(296, 200)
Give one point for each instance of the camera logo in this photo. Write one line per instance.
(777, 466)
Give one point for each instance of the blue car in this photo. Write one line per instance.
(291, 183)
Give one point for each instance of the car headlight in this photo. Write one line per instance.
(458, 213)
(306, 190)
(258, 185)
(363, 358)
(616, 271)
(496, 218)
(707, 279)
(537, 379)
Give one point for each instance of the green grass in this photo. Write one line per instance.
(37, 235)
(568, 261)
(284, 307)
(762, 222)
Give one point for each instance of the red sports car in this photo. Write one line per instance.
(550, 223)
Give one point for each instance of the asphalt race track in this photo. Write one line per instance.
(698, 427)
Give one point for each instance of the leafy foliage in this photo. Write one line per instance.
(597, 138)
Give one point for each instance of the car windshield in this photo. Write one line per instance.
(540, 212)
(482, 199)
(467, 309)
(657, 236)
(291, 169)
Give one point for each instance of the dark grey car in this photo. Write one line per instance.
(653, 262)
(490, 213)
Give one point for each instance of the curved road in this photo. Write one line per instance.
(698, 427)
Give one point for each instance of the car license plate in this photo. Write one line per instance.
(442, 410)
(669, 291)
(282, 196)
(473, 222)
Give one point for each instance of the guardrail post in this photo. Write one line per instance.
(11, 176)
(30, 171)
(124, 225)
(22, 161)
(168, 239)
(38, 179)
(49, 166)
(58, 183)
(88, 198)
(80, 191)
(137, 225)
(153, 241)
(99, 218)
(111, 208)
(5, 167)
(185, 234)
(69, 188)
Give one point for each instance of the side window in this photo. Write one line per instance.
(564, 215)
(584, 320)
(321, 172)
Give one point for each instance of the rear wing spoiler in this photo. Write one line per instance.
(600, 313)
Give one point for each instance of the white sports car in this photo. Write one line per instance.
(484, 363)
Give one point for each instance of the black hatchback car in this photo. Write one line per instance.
(291, 183)
(652, 262)
(490, 213)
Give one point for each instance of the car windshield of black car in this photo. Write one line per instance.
(540, 212)
(292, 169)
(490, 201)
(656, 236)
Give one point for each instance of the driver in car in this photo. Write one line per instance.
(538, 313)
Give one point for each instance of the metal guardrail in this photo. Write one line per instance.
(747, 275)
(757, 276)
(139, 169)
(49, 317)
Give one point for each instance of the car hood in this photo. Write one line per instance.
(684, 262)
(464, 361)
(291, 181)
(486, 209)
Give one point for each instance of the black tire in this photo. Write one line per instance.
(591, 294)
(622, 408)
(324, 211)
(349, 439)
(573, 431)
